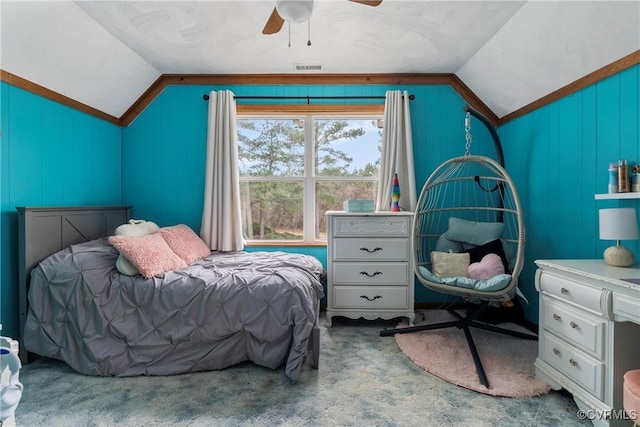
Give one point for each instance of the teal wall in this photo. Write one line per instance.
(51, 155)
(164, 148)
(557, 155)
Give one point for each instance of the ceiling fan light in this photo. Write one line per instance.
(295, 11)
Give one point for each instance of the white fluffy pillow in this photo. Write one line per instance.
(134, 228)
(124, 266)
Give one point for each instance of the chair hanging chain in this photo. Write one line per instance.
(467, 131)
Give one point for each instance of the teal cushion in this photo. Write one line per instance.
(473, 232)
(444, 244)
(495, 283)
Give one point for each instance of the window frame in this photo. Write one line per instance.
(308, 113)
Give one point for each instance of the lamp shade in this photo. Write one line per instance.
(618, 224)
(295, 11)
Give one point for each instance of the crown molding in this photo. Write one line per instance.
(305, 79)
(324, 79)
(588, 80)
(42, 91)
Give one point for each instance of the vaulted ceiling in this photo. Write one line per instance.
(106, 54)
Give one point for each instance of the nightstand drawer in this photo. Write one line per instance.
(364, 297)
(578, 366)
(386, 273)
(359, 226)
(578, 327)
(375, 250)
(570, 291)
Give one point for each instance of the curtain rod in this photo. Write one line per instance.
(308, 98)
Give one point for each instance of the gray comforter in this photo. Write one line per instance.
(217, 312)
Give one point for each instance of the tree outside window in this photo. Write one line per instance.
(294, 169)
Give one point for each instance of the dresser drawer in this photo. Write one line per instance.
(578, 366)
(371, 226)
(626, 307)
(578, 327)
(387, 273)
(364, 297)
(350, 249)
(570, 291)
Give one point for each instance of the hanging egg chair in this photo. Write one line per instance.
(468, 238)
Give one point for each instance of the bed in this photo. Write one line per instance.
(219, 311)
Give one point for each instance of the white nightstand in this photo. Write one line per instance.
(589, 333)
(369, 265)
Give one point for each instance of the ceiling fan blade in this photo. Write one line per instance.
(373, 3)
(274, 23)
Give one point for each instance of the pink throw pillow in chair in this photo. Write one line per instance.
(490, 266)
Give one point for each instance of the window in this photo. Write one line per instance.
(295, 168)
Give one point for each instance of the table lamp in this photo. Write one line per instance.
(619, 224)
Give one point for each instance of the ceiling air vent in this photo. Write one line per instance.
(307, 67)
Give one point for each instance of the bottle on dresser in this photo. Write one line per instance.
(635, 179)
(623, 176)
(613, 178)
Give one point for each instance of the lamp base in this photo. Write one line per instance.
(619, 256)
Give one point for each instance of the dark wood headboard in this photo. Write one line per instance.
(44, 231)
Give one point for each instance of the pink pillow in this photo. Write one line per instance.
(150, 254)
(185, 243)
(489, 266)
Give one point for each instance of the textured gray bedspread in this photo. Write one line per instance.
(217, 312)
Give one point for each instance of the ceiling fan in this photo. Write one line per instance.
(297, 11)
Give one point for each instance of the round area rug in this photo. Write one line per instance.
(508, 361)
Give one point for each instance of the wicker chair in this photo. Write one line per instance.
(476, 190)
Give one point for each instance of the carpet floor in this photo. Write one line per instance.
(363, 380)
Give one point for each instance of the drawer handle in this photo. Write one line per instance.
(573, 324)
(556, 317)
(564, 291)
(572, 362)
(370, 299)
(556, 351)
(376, 249)
(364, 273)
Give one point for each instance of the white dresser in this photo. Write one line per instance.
(369, 265)
(589, 333)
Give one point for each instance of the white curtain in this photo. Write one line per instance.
(221, 220)
(397, 153)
